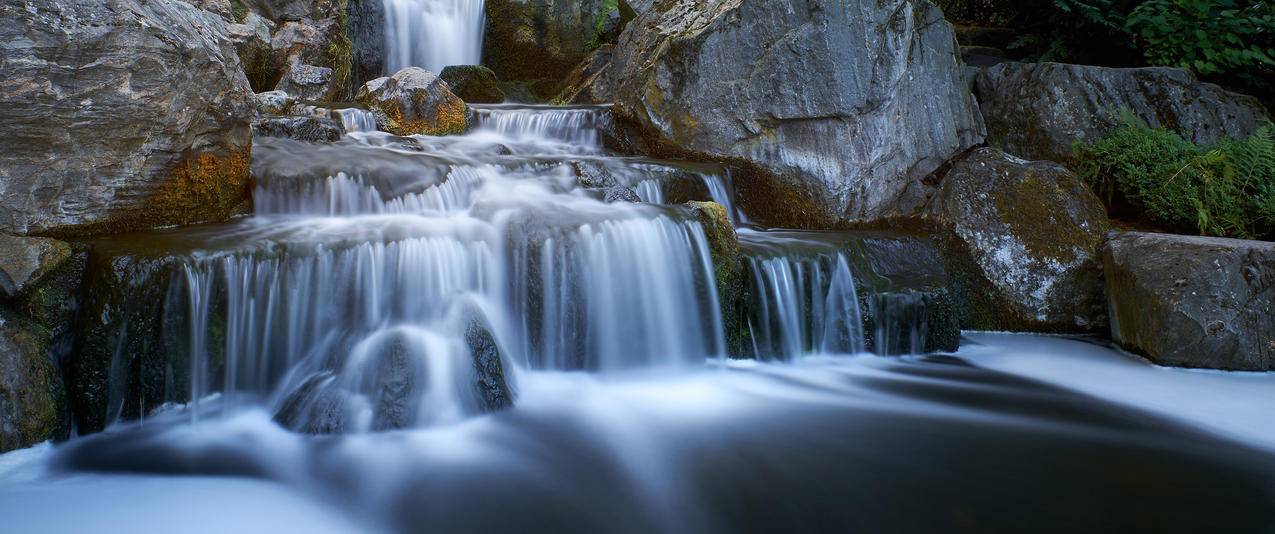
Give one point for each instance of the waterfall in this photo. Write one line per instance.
(433, 34)
(357, 120)
(803, 304)
(574, 126)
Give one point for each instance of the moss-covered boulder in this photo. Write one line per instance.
(1193, 301)
(475, 84)
(589, 82)
(728, 268)
(414, 101)
(118, 115)
(1026, 242)
(32, 400)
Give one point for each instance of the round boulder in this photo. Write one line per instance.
(414, 101)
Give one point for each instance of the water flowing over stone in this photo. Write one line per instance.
(357, 120)
(432, 34)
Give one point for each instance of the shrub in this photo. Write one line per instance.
(1224, 190)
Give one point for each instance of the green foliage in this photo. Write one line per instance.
(1225, 190)
(1207, 36)
(341, 55)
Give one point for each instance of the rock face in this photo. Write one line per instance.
(365, 27)
(39, 286)
(1038, 110)
(589, 82)
(475, 84)
(1029, 236)
(414, 101)
(1193, 301)
(119, 114)
(540, 39)
(847, 104)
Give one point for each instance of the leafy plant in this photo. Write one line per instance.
(1207, 36)
(1224, 190)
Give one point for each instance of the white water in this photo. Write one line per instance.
(357, 120)
(433, 34)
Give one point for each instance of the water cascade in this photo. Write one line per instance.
(433, 34)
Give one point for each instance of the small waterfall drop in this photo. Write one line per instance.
(433, 34)
(357, 120)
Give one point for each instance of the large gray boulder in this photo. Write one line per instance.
(414, 101)
(119, 114)
(1026, 243)
(844, 105)
(1193, 301)
(1038, 110)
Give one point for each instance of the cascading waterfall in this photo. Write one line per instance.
(804, 304)
(357, 120)
(575, 126)
(433, 34)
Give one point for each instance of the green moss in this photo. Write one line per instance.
(341, 55)
(1154, 175)
(1031, 210)
(728, 269)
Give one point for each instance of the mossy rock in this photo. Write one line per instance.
(414, 101)
(728, 269)
(474, 84)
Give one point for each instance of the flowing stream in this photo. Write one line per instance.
(516, 330)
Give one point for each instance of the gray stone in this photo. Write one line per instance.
(414, 101)
(589, 82)
(252, 42)
(365, 27)
(490, 385)
(1193, 301)
(844, 105)
(310, 129)
(475, 84)
(119, 114)
(1039, 110)
(282, 10)
(1029, 237)
(305, 81)
(275, 103)
(26, 260)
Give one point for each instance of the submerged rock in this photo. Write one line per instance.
(489, 366)
(414, 101)
(1039, 110)
(1027, 243)
(475, 84)
(119, 114)
(310, 129)
(1193, 301)
(843, 106)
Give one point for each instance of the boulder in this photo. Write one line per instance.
(475, 84)
(119, 114)
(275, 103)
(1039, 110)
(305, 81)
(414, 101)
(490, 385)
(1193, 301)
(844, 106)
(1027, 241)
(541, 39)
(589, 82)
(32, 400)
(310, 129)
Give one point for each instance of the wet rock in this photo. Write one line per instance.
(414, 101)
(540, 39)
(307, 82)
(119, 115)
(396, 385)
(589, 82)
(1028, 236)
(1039, 110)
(475, 84)
(620, 194)
(282, 10)
(309, 129)
(1193, 301)
(843, 106)
(32, 399)
(728, 269)
(489, 371)
(275, 103)
(911, 321)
